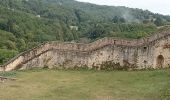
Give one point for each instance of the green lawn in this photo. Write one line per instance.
(86, 85)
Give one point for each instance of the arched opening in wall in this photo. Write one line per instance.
(144, 49)
(160, 61)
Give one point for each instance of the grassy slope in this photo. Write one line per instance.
(86, 85)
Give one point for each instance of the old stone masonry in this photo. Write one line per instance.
(153, 51)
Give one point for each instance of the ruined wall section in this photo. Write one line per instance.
(140, 52)
(162, 48)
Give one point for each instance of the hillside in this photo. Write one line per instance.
(26, 23)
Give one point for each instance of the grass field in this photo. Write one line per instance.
(86, 85)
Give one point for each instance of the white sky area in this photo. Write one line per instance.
(156, 6)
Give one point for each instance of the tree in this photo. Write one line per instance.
(159, 22)
(10, 24)
(21, 45)
(96, 32)
(118, 19)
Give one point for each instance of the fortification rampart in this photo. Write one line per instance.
(43, 50)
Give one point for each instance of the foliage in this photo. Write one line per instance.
(159, 22)
(5, 55)
(26, 23)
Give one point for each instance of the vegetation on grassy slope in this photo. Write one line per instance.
(86, 85)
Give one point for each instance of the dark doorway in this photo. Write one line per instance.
(160, 61)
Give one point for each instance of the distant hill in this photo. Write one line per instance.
(26, 23)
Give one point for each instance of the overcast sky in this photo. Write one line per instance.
(156, 6)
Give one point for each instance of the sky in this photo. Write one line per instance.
(156, 6)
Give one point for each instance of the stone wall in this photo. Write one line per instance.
(1, 69)
(153, 51)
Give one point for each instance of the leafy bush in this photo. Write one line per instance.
(5, 55)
